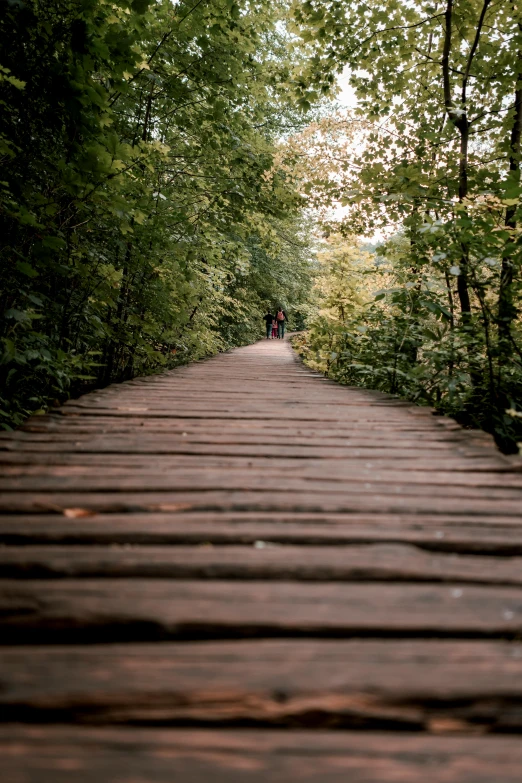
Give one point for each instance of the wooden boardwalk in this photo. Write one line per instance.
(240, 571)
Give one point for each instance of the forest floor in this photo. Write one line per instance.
(239, 570)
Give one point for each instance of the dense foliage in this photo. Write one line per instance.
(430, 158)
(142, 221)
(156, 169)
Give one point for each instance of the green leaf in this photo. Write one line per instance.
(26, 269)
(17, 315)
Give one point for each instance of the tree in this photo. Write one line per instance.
(439, 90)
(136, 216)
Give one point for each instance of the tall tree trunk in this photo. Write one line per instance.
(506, 306)
(507, 312)
(462, 280)
(458, 116)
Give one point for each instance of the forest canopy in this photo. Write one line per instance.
(430, 158)
(170, 169)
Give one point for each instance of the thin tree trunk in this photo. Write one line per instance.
(458, 116)
(506, 307)
(147, 117)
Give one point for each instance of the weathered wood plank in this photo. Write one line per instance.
(467, 457)
(473, 685)
(181, 457)
(242, 438)
(294, 413)
(327, 401)
(266, 499)
(125, 755)
(498, 535)
(322, 475)
(140, 610)
(75, 423)
(209, 479)
(259, 437)
(264, 560)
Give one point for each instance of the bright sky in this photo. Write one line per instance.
(346, 96)
(347, 99)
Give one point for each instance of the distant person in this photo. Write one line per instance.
(268, 318)
(281, 321)
(274, 329)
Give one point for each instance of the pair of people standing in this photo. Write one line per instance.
(275, 324)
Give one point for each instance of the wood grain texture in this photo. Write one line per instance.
(59, 755)
(475, 686)
(195, 571)
(263, 560)
(439, 533)
(265, 499)
(135, 609)
(319, 479)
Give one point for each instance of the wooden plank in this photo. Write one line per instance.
(472, 685)
(296, 413)
(173, 429)
(209, 479)
(69, 610)
(138, 755)
(260, 500)
(498, 535)
(53, 423)
(325, 401)
(249, 438)
(133, 458)
(285, 474)
(355, 472)
(140, 445)
(180, 456)
(264, 560)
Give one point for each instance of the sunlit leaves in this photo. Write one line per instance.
(438, 163)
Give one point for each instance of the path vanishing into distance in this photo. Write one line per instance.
(241, 571)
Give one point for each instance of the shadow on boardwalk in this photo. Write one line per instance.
(195, 563)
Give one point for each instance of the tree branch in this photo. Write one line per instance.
(474, 49)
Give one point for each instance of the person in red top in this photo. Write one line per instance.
(281, 321)
(274, 330)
